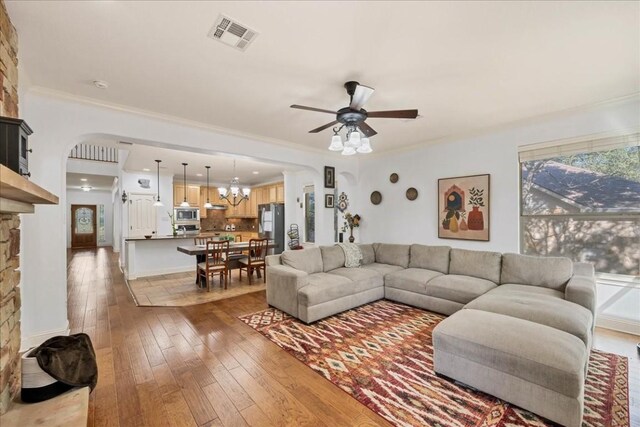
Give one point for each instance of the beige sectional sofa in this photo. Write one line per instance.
(519, 327)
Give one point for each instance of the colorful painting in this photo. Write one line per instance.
(463, 208)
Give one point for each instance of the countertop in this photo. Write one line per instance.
(188, 236)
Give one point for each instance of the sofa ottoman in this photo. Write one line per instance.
(503, 356)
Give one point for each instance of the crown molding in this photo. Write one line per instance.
(52, 93)
(512, 125)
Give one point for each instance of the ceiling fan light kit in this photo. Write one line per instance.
(353, 118)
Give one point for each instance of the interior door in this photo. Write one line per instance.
(142, 215)
(83, 226)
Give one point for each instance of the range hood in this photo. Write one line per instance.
(218, 208)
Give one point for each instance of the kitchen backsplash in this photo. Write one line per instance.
(215, 221)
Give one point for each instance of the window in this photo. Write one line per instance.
(582, 201)
(101, 229)
(309, 214)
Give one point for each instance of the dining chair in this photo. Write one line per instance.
(200, 241)
(255, 260)
(216, 261)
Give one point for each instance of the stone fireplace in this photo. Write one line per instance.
(9, 229)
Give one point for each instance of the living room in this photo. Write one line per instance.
(496, 86)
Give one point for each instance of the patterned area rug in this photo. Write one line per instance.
(381, 354)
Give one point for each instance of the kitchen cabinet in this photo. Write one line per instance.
(272, 194)
(262, 195)
(280, 192)
(193, 195)
(203, 200)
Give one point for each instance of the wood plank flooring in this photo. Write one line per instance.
(199, 365)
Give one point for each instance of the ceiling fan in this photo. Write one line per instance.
(354, 116)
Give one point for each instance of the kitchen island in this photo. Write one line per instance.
(160, 255)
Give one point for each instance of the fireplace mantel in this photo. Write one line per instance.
(19, 195)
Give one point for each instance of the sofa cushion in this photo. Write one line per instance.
(430, 257)
(480, 264)
(368, 254)
(513, 287)
(382, 269)
(541, 308)
(411, 279)
(332, 257)
(532, 352)
(326, 287)
(392, 254)
(358, 274)
(307, 260)
(547, 272)
(458, 288)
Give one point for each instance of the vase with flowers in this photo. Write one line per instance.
(350, 222)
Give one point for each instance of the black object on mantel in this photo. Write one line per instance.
(14, 141)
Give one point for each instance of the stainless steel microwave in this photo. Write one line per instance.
(182, 215)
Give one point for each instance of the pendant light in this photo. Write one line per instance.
(158, 203)
(208, 205)
(184, 204)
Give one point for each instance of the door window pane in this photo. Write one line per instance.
(84, 221)
(101, 229)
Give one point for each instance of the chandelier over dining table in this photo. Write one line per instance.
(233, 194)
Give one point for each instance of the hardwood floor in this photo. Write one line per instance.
(199, 365)
(194, 365)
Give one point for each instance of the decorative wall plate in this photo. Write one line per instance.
(394, 177)
(412, 193)
(376, 197)
(343, 202)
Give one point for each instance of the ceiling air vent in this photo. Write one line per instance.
(232, 33)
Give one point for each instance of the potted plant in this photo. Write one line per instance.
(476, 219)
(350, 222)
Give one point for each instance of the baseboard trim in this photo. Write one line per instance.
(36, 340)
(620, 325)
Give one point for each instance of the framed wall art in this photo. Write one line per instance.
(463, 208)
(329, 177)
(329, 201)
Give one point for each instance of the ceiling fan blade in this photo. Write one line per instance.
(321, 128)
(367, 130)
(394, 114)
(361, 96)
(319, 110)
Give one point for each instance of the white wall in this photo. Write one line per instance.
(399, 220)
(79, 197)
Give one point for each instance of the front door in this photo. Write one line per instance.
(83, 226)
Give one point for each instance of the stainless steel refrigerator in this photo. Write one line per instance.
(271, 224)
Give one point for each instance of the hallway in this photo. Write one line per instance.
(192, 366)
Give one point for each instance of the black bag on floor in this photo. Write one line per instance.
(63, 362)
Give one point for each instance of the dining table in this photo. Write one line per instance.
(234, 259)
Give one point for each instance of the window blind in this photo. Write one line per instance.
(549, 150)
